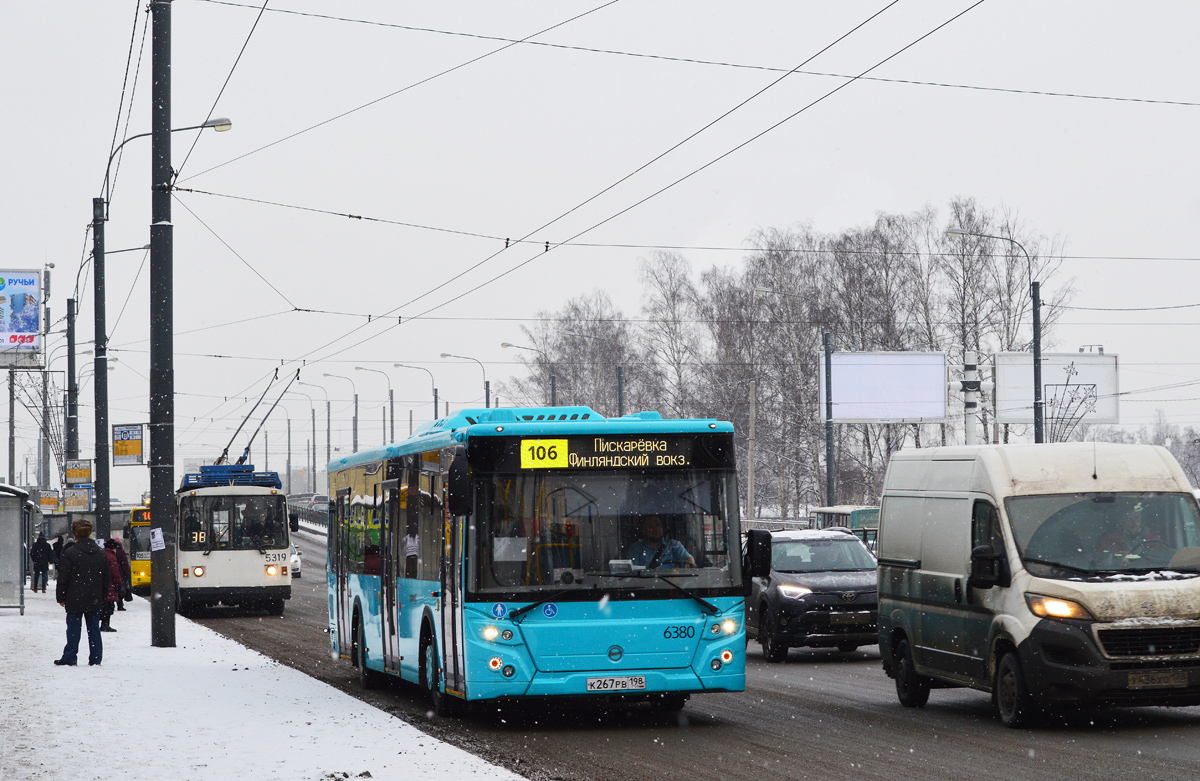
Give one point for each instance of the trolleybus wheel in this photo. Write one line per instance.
(275, 607)
(367, 678)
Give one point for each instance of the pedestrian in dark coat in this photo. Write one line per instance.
(116, 584)
(84, 577)
(126, 594)
(41, 553)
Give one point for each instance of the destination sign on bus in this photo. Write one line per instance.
(611, 452)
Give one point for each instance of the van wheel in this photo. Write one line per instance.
(773, 650)
(1014, 703)
(912, 689)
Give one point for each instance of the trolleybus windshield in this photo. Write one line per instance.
(610, 529)
(238, 522)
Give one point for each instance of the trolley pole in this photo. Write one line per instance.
(162, 327)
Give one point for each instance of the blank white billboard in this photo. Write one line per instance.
(887, 387)
(1080, 386)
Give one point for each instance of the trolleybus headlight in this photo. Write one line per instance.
(716, 664)
(729, 626)
(727, 656)
(495, 662)
(506, 634)
(508, 671)
(491, 633)
(198, 571)
(272, 570)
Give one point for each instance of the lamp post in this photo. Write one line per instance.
(328, 423)
(391, 397)
(620, 370)
(355, 389)
(553, 384)
(312, 480)
(432, 383)
(1039, 412)
(487, 388)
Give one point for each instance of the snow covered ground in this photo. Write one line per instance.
(206, 709)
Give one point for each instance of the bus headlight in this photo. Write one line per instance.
(490, 633)
(272, 570)
(729, 626)
(198, 571)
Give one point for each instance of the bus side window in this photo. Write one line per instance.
(431, 529)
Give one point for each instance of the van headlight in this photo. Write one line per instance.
(794, 592)
(1053, 607)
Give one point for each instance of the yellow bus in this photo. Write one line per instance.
(138, 539)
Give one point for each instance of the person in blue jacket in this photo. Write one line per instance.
(654, 550)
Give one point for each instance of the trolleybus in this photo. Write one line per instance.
(510, 553)
(138, 544)
(233, 544)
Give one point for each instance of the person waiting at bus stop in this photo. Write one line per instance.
(41, 554)
(654, 550)
(83, 581)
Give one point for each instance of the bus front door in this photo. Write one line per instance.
(390, 541)
(342, 530)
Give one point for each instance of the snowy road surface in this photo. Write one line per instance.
(207, 709)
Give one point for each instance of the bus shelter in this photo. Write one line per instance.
(14, 542)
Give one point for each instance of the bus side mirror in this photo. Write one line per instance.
(294, 521)
(758, 553)
(458, 484)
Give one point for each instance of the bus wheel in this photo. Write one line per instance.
(367, 678)
(431, 679)
(669, 703)
(275, 607)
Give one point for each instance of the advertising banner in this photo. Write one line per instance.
(1075, 387)
(78, 500)
(886, 387)
(20, 319)
(79, 472)
(127, 445)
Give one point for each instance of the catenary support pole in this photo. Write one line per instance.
(355, 440)
(620, 391)
(100, 376)
(750, 451)
(313, 487)
(1039, 409)
(328, 432)
(162, 359)
(970, 389)
(830, 459)
(392, 410)
(289, 456)
(72, 405)
(553, 390)
(12, 427)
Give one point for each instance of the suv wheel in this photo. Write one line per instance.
(773, 650)
(912, 689)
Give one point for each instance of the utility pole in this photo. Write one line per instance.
(266, 451)
(355, 442)
(410, 422)
(750, 451)
(328, 432)
(289, 456)
(383, 431)
(970, 389)
(72, 404)
(313, 411)
(1039, 409)
(162, 337)
(12, 427)
(487, 394)
(100, 380)
(553, 390)
(830, 468)
(620, 392)
(392, 408)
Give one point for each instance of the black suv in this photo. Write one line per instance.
(821, 593)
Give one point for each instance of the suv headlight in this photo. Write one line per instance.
(794, 592)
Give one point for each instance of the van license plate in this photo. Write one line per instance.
(1171, 680)
(616, 684)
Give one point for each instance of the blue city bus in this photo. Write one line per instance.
(543, 552)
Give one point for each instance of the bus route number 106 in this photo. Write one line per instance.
(543, 453)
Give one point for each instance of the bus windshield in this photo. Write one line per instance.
(607, 529)
(1070, 535)
(239, 522)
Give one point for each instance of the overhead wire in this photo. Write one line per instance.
(129, 111)
(413, 85)
(221, 92)
(718, 63)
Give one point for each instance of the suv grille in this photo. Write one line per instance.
(1157, 641)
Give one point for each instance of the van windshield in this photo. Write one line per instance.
(1069, 535)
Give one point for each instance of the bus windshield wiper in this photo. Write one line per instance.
(709, 607)
(516, 614)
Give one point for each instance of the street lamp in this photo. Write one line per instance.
(220, 124)
(487, 388)
(391, 398)
(328, 422)
(355, 389)
(553, 379)
(432, 383)
(620, 371)
(312, 480)
(1039, 412)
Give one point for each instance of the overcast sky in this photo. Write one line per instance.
(516, 135)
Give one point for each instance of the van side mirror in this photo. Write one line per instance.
(987, 568)
(458, 484)
(757, 563)
(294, 521)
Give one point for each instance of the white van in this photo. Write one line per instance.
(1042, 574)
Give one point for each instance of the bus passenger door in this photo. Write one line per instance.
(388, 523)
(342, 530)
(454, 669)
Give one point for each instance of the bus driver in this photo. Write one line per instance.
(654, 550)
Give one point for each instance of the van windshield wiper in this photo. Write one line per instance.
(1060, 565)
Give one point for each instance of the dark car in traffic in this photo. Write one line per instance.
(821, 593)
